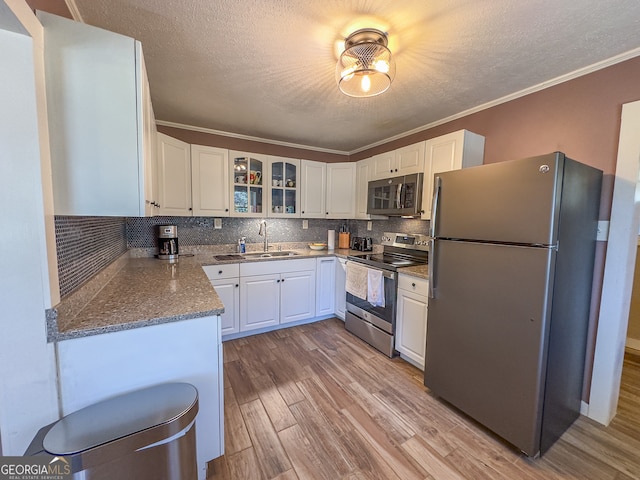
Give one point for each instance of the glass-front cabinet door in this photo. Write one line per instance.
(249, 192)
(284, 176)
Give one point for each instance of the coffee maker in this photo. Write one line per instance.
(167, 242)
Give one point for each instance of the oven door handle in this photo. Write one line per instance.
(385, 273)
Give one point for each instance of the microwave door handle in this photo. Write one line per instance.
(437, 185)
(399, 194)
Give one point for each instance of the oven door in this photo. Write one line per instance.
(381, 317)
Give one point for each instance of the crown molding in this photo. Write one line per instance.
(513, 96)
(248, 137)
(73, 9)
(507, 98)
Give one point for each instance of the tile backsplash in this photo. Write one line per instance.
(142, 232)
(86, 245)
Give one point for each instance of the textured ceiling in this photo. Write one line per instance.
(265, 68)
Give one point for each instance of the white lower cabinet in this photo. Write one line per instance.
(325, 286)
(226, 280)
(276, 292)
(259, 301)
(137, 358)
(297, 296)
(341, 290)
(229, 292)
(411, 319)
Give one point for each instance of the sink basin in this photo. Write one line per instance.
(258, 255)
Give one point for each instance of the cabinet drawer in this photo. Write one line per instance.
(413, 284)
(228, 270)
(268, 267)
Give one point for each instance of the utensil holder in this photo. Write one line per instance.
(343, 240)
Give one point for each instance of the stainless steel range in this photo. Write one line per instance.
(376, 324)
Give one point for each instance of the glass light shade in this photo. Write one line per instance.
(366, 67)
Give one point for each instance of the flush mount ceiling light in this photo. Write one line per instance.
(365, 68)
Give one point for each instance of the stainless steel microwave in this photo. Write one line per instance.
(397, 196)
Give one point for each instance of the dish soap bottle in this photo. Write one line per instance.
(242, 244)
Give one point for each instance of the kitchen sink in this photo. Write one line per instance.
(258, 255)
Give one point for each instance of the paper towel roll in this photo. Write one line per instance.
(331, 239)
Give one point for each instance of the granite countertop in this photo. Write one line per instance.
(138, 292)
(145, 291)
(419, 271)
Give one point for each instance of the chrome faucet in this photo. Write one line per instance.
(263, 231)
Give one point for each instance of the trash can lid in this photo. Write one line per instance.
(119, 417)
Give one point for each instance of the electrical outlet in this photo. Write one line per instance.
(369, 226)
(305, 224)
(217, 223)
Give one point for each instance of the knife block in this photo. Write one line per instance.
(343, 240)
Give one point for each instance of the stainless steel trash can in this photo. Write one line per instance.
(147, 434)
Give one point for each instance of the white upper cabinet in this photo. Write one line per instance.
(149, 148)
(249, 176)
(382, 165)
(98, 120)
(341, 190)
(313, 178)
(453, 151)
(364, 169)
(210, 181)
(403, 161)
(284, 184)
(193, 180)
(174, 176)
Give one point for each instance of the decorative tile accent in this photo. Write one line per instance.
(85, 246)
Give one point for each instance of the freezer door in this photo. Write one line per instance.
(513, 201)
(487, 335)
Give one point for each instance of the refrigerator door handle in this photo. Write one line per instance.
(437, 185)
(431, 268)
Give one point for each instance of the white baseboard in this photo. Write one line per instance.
(584, 408)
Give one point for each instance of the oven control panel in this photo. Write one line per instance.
(406, 240)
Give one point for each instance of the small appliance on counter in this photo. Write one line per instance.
(167, 242)
(362, 244)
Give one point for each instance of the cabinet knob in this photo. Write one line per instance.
(190, 209)
(283, 280)
(226, 209)
(219, 272)
(303, 211)
(413, 285)
(237, 285)
(391, 171)
(277, 281)
(327, 213)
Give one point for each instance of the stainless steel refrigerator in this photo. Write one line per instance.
(511, 268)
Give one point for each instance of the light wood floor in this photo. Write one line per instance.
(314, 402)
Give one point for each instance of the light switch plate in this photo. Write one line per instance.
(217, 223)
(305, 224)
(603, 231)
